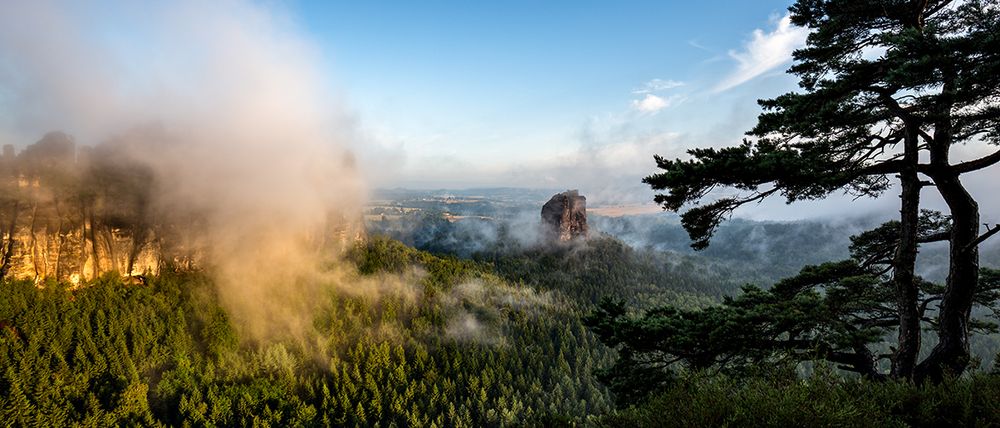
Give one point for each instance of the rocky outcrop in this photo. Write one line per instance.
(72, 219)
(73, 216)
(564, 217)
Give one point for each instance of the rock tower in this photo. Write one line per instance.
(564, 216)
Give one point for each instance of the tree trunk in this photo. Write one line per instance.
(904, 261)
(951, 355)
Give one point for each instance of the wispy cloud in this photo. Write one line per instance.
(657, 85)
(763, 52)
(697, 45)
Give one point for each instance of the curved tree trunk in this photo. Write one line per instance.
(951, 355)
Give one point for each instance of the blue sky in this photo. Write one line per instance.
(495, 93)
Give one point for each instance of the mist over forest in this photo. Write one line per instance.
(472, 221)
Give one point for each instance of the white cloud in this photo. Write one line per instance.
(657, 85)
(764, 52)
(650, 104)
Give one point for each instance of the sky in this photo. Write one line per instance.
(576, 94)
(433, 94)
(550, 94)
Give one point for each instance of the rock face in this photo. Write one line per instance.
(564, 217)
(66, 218)
(74, 215)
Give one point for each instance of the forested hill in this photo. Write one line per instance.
(444, 342)
(437, 341)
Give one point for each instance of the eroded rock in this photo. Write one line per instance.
(564, 216)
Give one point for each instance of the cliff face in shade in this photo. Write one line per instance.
(564, 216)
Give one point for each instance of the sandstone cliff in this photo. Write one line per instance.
(564, 216)
(74, 216)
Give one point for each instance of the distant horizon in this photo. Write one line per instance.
(599, 204)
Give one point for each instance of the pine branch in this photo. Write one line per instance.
(977, 164)
(989, 233)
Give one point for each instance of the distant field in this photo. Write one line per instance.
(624, 210)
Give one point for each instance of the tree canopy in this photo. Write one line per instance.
(841, 312)
(883, 85)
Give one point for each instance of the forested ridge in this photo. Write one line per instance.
(471, 350)
(471, 343)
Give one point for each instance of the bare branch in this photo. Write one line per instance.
(889, 167)
(927, 137)
(989, 233)
(890, 103)
(977, 164)
(926, 302)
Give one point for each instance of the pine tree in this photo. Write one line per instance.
(883, 84)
